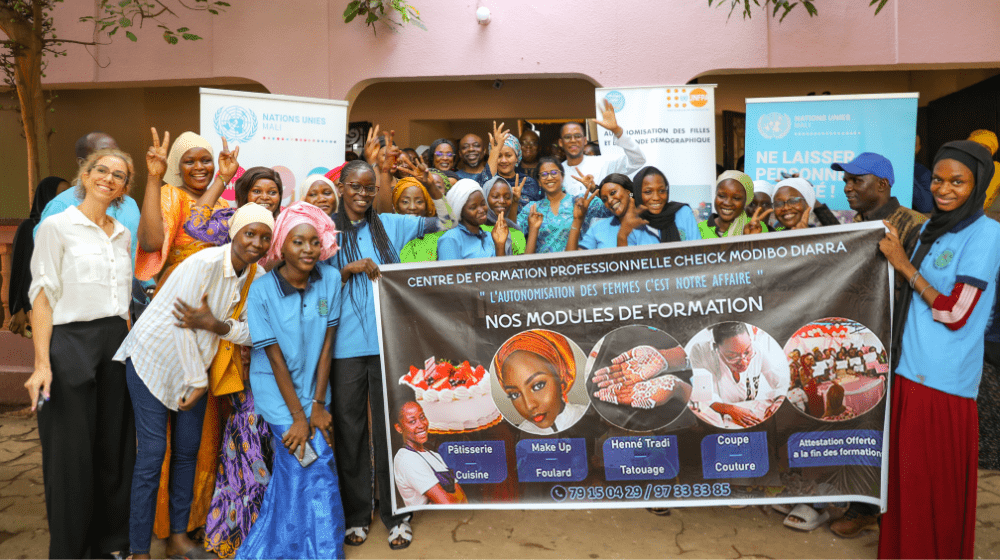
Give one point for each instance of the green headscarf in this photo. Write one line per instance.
(736, 228)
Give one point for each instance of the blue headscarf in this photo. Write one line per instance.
(514, 144)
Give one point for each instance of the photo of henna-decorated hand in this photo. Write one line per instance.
(639, 378)
(646, 394)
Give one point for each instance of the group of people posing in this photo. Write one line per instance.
(236, 399)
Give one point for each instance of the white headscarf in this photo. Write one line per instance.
(302, 189)
(804, 187)
(763, 187)
(181, 145)
(459, 194)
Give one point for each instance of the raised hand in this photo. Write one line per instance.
(535, 219)
(643, 395)
(608, 119)
(228, 166)
(498, 136)
(387, 158)
(804, 221)
(500, 233)
(518, 186)
(156, 156)
(588, 180)
(372, 146)
(754, 225)
(581, 206)
(638, 364)
(891, 246)
(631, 219)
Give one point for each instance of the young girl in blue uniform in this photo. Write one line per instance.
(623, 229)
(468, 239)
(293, 314)
(367, 240)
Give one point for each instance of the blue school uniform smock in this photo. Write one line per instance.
(301, 515)
(278, 313)
(603, 234)
(954, 363)
(460, 243)
(357, 334)
(687, 226)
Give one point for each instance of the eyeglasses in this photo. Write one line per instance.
(358, 188)
(444, 154)
(118, 176)
(737, 357)
(793, 200)
(570, 137)
(552, 173)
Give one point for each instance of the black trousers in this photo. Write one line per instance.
(356, 384)
(87, 433)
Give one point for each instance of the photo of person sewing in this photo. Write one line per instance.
(638, 378)
(536, 372)
(421, 475)
(847, 381)
(741, 375)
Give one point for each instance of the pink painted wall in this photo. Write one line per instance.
(302, 47)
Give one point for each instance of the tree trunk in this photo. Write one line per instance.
(28, 81)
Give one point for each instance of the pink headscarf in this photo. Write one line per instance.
(304, 213)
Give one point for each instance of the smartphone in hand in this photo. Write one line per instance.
(308, 457)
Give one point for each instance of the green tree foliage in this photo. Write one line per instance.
(779, 8)
(383, 10)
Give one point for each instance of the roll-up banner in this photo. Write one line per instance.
(675, 128)
(804, 135)
(747, 370)
(295, 136)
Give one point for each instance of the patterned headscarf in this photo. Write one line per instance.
(550, 346)
(446, 182)
(515, 144)
(407, 182)
(182, 144)
(304, 213)
(736, 228)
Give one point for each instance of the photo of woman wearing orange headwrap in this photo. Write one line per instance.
(535, 371)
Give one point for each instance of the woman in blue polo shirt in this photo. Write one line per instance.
(674, 220)
(623, 228)
(293, 314)
(945, 311)
(468, 239)
(367, 240)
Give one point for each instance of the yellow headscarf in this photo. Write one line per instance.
(407, 182)
(989, 139)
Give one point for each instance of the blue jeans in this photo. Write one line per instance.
(151, 417)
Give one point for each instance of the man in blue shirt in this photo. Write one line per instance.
(127, 213)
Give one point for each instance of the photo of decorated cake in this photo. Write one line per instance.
(454, 398)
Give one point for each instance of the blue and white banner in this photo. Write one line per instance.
(295, 136)
(675, 127)
(804, 135)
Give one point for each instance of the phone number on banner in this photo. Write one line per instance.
(561, 493)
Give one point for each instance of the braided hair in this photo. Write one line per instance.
(349, 250)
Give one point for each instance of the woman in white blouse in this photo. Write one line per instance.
(81, 286)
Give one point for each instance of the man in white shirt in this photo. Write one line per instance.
(572, 139)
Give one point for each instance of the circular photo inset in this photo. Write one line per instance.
(740, 375)
(638, 378)
(837, 369)
(533, 381)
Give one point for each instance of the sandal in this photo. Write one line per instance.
(662, 512)
(783, 509)
(805, 518)
(356, 536)
(401, 531)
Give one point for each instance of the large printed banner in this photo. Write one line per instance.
(744, 370)
(675, 127)
(805, 135)
(295, 136)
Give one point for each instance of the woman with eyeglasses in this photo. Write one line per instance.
(367, 241)
(548, 221)
(442, 154)
(81, 286)
(794, 201)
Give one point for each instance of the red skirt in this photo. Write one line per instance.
(933, 461)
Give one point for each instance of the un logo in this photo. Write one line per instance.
(236, 123)
(616, 99)
(773, 126)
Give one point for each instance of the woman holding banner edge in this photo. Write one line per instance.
(934, 424)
